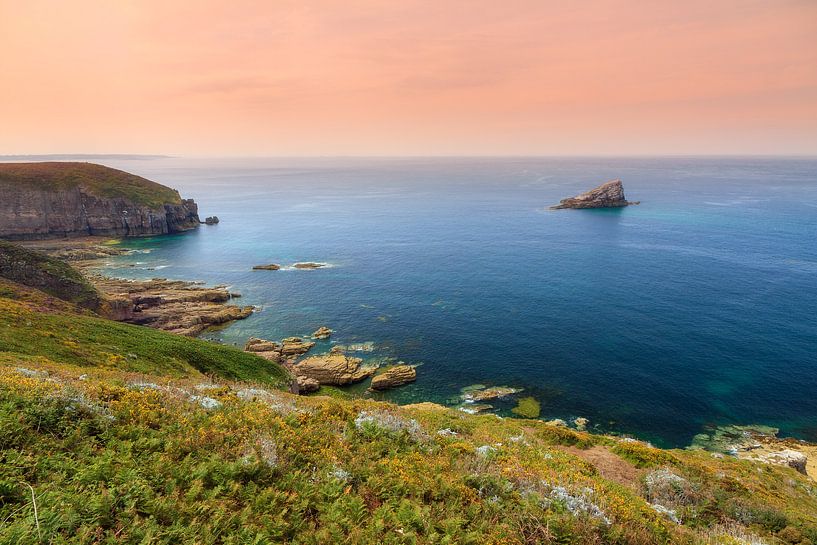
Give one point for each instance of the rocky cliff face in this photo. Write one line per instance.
(607, 195)
(42, 204)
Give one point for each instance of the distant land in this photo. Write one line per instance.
(81, 156)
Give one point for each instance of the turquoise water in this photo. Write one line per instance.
(697, 307)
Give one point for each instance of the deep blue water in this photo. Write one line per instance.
(697, 307)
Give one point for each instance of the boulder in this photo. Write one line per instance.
(394, 377)
(260, 345)
(307, 385)
(607, 195)
(334, 369)
(295, 346)
(323, 332)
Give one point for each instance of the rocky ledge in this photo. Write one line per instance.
(607, 195)
(284, 352)
(393, 377)
(334, 368)
(759, 444)
(185, 308)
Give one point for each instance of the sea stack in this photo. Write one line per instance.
(607, 195)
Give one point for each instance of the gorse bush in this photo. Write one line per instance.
(121, 434)
(114, 457)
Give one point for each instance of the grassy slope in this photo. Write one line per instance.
(98, 180)
(112, 463)
(53, 276)
(33, 324)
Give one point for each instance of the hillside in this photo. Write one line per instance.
(40, 200)
(34, 325)
(55, 277)
(96, 179)
(132, 435)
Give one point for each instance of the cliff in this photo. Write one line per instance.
(607, 195)
(42, 200)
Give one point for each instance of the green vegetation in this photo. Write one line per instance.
(96, 179)
(32, 324)
(527, 407)
(54, 277)
(120, 437)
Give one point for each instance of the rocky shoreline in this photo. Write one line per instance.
(188, 308)
(181, 307)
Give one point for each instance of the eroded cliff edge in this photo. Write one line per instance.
(64, 199)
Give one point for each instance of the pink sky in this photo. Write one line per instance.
(408, 77)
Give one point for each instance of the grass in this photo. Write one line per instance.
(55, 277)
(113, 463)
(35, 325)
(95, 179)
(123, 434)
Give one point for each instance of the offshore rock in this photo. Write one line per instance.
(269, 267)
(211, 220)
(607, 195)
(474, 394)
(295, 346)
(309, 265)
(334, 369)
(323, 332)
(393, 377)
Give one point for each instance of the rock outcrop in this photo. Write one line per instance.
(393, 377)
(211, 220)
(322, 332)
(180, 307)
(760, 444)
(268, 267)
(476, 395)
(285, 352)
(334, 369)
(309, 265)
(607, 195)
(43, 200)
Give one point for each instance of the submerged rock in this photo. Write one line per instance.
(393, 377)
(476, 394)
(607, 195)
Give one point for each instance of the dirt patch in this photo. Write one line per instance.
(609, 465)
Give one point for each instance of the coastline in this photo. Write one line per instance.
(196, 309)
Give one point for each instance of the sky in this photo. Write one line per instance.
(408, 77)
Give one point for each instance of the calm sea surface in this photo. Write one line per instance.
(697, 307)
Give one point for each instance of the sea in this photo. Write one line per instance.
(696, 308)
